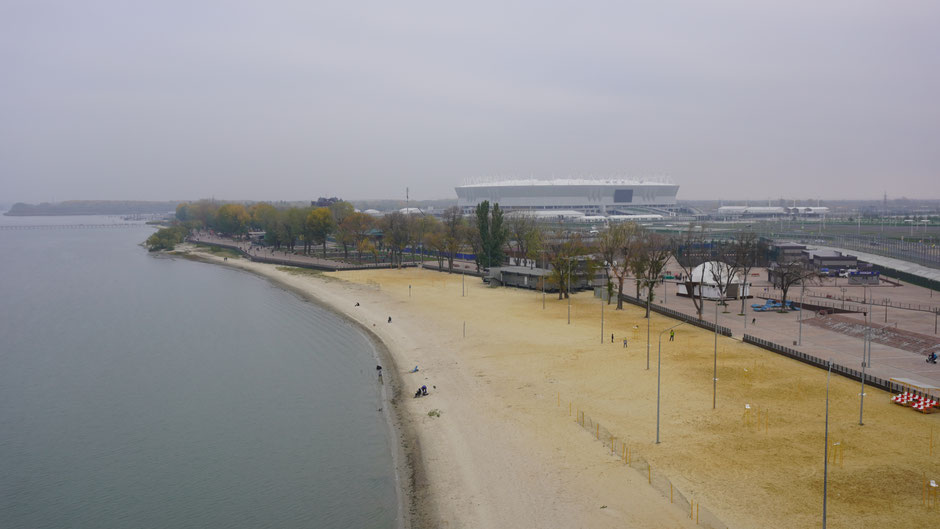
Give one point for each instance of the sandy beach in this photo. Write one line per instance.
(508, 448)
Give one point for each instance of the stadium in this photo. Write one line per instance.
(590, 197)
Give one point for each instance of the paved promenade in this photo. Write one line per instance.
(269, 255)
(784, 329)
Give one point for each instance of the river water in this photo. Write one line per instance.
(148, 392)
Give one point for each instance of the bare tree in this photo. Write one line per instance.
(610, 245)
(519, 227)
(689, 250)
(453, 234)
(784, 276)
(749, 251)
(620, 266)
(570, 262)
(655, 253)
(723, 267)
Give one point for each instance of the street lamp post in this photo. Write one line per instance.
(715, 370)
(568, 291)
(800, 316)
(826, 448)
(659, 354)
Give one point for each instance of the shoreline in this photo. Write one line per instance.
(404, 443)
(467, 458)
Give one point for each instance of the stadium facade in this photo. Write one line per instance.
(591, 197)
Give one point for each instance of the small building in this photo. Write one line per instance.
(706, 277)
(787, 252)
(533, 278)
(829, 259)
(520, 277)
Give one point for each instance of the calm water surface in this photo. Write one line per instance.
(151, 392)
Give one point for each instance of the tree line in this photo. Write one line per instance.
(626, 252)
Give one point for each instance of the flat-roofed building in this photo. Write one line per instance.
(591, 197)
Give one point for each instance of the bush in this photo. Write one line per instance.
(167, 238)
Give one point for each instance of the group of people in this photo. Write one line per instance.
(672, 337)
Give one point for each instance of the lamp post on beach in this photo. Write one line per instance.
(826, 448)
(715, 371)
(659, 365)
(800, 315)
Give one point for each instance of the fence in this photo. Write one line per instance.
(877, 382)
(692, 320)
(626, 452)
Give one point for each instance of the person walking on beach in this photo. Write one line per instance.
(672, 336)
(611, 337)
(390, 319)
(624, 343)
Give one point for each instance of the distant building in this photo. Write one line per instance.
(787, 252)
(590, 197)
(829, 260)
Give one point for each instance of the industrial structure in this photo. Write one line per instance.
(581, 196)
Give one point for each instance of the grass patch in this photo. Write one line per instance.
(309, 272)
(219, 251)
(434, 413)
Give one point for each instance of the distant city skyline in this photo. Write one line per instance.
(287, 100)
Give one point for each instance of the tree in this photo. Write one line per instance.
(786, 275)
(519, 229)
(263, 216)
(290, 223)
(609, 244)
(621, 264)
(318, 226)
(341, 210)
(396, 225)
(690, 251)
(654, 252)
(232, 219)
(167, 238)
(570, 261)
(354, 229)
(453, 234)
(492, 234)
(749, 251)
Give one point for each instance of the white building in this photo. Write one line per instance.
(591, 197)
(706, 277)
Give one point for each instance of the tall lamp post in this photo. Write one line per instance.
(800, 317)
(568, 291)
(659, 365)
(715, 370)
(826, 448)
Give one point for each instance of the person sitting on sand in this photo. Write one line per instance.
(390, 319)
(932, 358)
(418, 393)
(424, 391)
(357, 303)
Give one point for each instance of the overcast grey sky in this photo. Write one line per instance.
(116, 99)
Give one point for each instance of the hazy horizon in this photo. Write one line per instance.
(293, 100)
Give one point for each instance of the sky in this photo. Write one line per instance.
(292, 100)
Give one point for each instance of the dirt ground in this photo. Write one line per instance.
(532, 360)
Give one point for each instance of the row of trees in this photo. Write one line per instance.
(626, 252)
